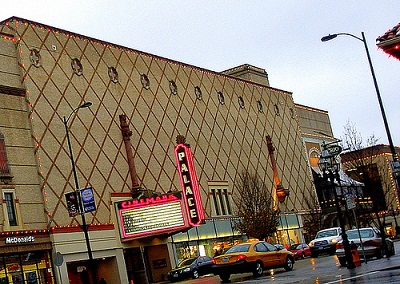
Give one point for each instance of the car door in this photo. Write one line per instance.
(276, 256)
(204, 264)
(263, 253)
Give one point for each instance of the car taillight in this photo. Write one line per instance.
(213, 260)
(241, 257)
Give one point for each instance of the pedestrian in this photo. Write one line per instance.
(102, 281)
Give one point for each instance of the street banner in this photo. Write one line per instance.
(72, 203)
(88, 200)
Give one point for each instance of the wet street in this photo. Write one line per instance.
(324, 269)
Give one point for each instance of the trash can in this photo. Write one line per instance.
(355, 254)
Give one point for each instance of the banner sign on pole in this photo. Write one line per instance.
(88, 200)
(72, 203)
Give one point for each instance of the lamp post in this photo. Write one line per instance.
(77, 189)
(396, 163)
(330, 169)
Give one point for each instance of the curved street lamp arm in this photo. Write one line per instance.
(84, 105)
(356, 37)
(332, 36)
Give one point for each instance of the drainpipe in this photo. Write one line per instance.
(126, 134)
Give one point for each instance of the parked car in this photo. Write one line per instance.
(251, 257)
(191, 268)
(325, 241)
(371, 240)
(300, 250)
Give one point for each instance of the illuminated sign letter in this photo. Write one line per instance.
(189, 183)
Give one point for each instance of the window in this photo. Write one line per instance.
(292, 115)
(10, 206)
(260, 107)
(276, 107)
(4, 168)
(145, 81)
(270, 247)
(113, 74)
(221, 98)
(173, 87)
(197, 92)
(77, 66)
(260, 247)
(241, 102)
(220, 199)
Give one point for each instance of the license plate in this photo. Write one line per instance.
(225, 259)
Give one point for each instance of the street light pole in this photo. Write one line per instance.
(396, 163)
(77, 189)
(330, 170)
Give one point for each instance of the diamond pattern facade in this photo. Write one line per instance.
(225, 138)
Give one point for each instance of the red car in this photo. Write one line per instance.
(300, 250)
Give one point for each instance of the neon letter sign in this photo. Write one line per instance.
(189, 183)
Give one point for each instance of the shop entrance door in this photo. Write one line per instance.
(135, 265)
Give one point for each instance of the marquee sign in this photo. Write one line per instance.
(150, 216)
(190, 187)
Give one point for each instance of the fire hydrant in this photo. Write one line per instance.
(354, 254)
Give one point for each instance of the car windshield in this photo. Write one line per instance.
(327, 233)
(239, 248)
(186, 262)
(353, 234)
(295, 246)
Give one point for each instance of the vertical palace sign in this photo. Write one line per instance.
(190, 186)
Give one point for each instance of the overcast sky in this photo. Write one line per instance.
(281, 36)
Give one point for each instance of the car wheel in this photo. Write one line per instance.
(342, 261)
(289, 264)
(195, 274)
(225, 277)
(258, 269)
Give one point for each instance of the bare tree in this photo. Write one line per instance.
(314, 221)
(254, 203)
(361, 164)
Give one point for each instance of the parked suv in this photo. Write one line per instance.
(325, 241)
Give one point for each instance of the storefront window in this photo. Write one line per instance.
(289, 230)
(224, 228)
(213, 237)
(206, 231)
(26, 268)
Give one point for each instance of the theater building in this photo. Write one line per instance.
(159, 135)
